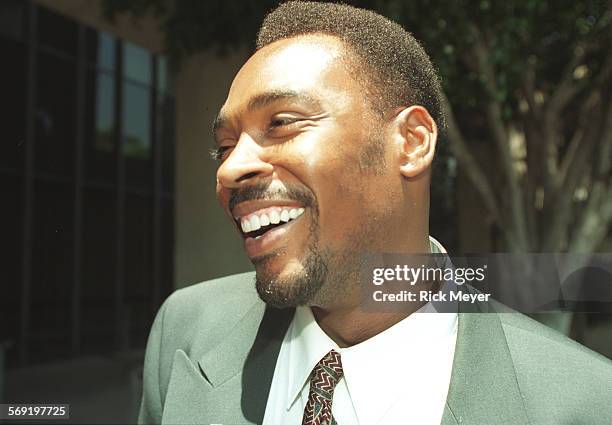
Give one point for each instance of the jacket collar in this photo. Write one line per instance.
(483, 381)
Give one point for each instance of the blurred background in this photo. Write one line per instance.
(108, 187)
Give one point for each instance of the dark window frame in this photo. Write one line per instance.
(80, 186)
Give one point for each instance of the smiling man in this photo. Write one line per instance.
(304, 155)
(325, 146)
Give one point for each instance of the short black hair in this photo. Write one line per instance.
(400, 71)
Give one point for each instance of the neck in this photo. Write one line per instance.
(347, 328)
(348, 324)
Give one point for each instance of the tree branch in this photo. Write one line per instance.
(567, 87)
(566, 90)
(597, 214)
(571, 160)
(605, 72)
(593, 227)
(500, 135)
(582, 151)
(529, 87)
(472, 169)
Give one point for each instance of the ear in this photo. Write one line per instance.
(416, 134)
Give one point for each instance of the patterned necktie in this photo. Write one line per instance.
(323, 380)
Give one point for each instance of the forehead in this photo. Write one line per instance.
(307, 64)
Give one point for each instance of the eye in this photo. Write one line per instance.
(220, 153)
(281, 121)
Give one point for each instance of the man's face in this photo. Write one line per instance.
(303, 171)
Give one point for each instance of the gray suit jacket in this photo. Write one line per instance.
(213, 348)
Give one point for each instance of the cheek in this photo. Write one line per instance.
(318, 158)
(339, 188)
(328, 164)
(332, 171)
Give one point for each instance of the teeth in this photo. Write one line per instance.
(255, 225)
(255, 222)
(274, 217)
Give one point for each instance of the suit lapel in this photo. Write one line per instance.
(228, 383)
(223, 361)
(261, 361)
(241, 367)
(483, 387)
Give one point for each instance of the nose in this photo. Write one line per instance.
(243, 164)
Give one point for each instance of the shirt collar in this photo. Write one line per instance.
(436, 247)
(400, 354)
(308, 343)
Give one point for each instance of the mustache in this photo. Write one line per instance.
(261, 191)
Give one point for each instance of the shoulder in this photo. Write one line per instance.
(529, 337)
(192, 320)
(207, 309)
(554, 373)
(224, 293)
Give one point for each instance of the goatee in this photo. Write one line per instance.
(297, 289)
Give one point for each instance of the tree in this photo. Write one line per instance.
(527, 80)
(539, 74)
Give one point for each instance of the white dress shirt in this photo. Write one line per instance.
(398, 376)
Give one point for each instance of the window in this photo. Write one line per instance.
(87, 176)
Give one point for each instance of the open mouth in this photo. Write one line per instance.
(257, 224)
(264, 229)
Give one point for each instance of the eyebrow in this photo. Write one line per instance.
(265, 99)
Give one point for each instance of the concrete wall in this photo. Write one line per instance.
(206, 244)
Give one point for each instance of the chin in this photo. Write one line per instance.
(283, 284)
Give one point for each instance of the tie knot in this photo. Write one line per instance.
(327, 373)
